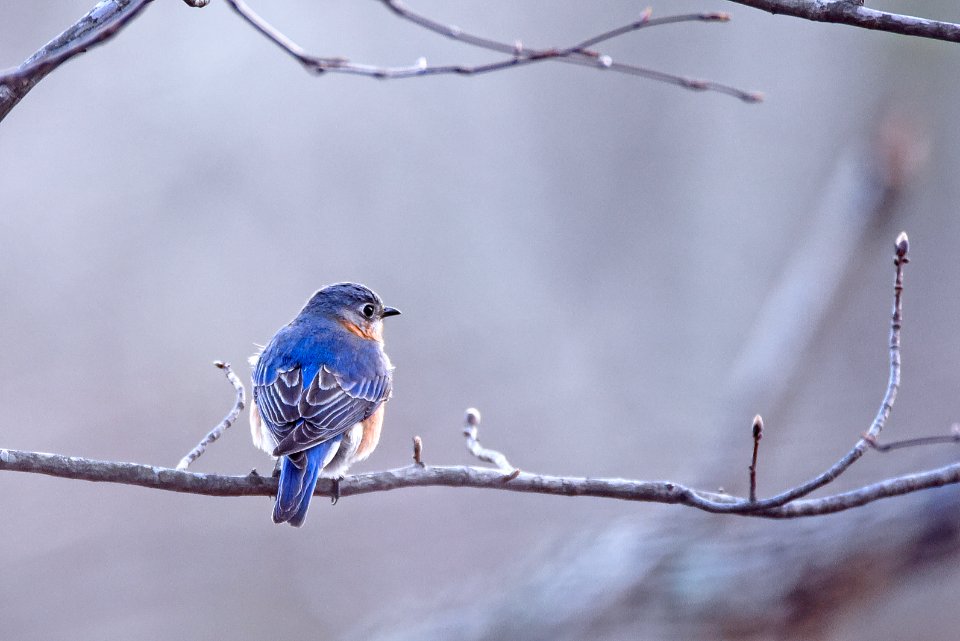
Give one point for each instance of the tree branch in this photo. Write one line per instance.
(852, 13)
(99, 24)
(253, 484)
(519, 54)
(223, 425)
(505, 476)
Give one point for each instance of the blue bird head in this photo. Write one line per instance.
(354, 306)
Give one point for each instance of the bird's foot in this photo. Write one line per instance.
(335, 495)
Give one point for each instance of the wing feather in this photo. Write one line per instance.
(301, 416)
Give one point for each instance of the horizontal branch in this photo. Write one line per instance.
(253, 484)
(852, 13)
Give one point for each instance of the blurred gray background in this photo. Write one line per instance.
(581, 255)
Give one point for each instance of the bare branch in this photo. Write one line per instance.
(953, 437)
(784, 505)
(851, 12)
(757, 435)
(418, 450)
(901, 247)
(471, 422)
(227, 421)
(253, 484)
(519, 55)
(100, 24)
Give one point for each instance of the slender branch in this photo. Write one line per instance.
(953, 437)
(519, 55)
(97, 26)
(418, 450)
(901, 248)
(225, 424)
(253, 484)
(471, 422)
(850, 12)
(757, 435)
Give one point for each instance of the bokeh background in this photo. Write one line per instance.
(584, 256)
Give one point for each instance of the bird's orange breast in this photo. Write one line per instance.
(371, 434)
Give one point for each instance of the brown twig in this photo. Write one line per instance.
(519, 55)
(418, 450)
(223, 425)
(852, 13)
(757, 435)
(953, 437)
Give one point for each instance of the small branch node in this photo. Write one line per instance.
(902, 246)
(757, 435)
(418, 451)
(512, 475)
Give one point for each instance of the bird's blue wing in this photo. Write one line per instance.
(304, 401)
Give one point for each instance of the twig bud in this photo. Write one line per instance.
(757, 427)
(902, 245)
(418, 450)
(472, 417)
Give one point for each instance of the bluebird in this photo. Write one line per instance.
(319, 389)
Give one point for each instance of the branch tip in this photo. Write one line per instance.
(418, 450)
(472, 417)
(902, 245)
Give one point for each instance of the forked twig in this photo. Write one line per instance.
(223, 425)
(519, 55)
(471, 421)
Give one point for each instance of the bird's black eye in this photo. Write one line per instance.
(368, 310)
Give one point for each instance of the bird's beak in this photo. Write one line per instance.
(390, 311)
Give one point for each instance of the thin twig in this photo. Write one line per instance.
(519, 54)
(954, 437)
(757, 435)
(99, 24)
(471, 422)
(418, 450)
(225, 424)
(901, 248)
(852, 13)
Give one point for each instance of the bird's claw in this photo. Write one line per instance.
(335, 495)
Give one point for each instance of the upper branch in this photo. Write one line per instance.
(99, 24)
(851, 12)
(517, 53)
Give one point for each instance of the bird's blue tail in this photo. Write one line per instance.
(297, 482)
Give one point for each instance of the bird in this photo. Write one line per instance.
(319, 390)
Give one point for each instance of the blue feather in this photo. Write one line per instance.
(298, 482)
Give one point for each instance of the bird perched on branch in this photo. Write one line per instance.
(319, 388)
